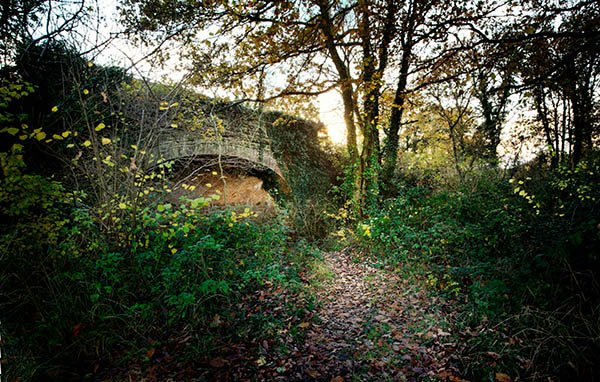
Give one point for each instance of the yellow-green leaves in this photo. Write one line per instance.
(164, 105)
(39, 134)
(87, 143)
(11, 130)
(163, 207)
(366, 229)
(54, 109)
(105, 141)
(100, 126)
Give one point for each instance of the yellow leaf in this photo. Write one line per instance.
(304, 325)
(208, 185)
(122, 206)
(57, 137)
(90, 64)
(100, 126)
(105, 141)
(87, 143)
(174, 125)
(174, 250)
(22, 137)
(65, 134)
(70, 145)
(54, 109)
(214, 173)
(12, 131)
(134, 147)
(40, 135)
(86, 92)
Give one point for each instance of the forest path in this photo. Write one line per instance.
(374, 326)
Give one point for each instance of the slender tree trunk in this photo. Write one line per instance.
(390, 151)
(348, 100)
(579, 125)
(370, 155)
(345, 80)
(455, 154)
(542, 116)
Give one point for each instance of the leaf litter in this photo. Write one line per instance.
(374, 326)
(369, 324)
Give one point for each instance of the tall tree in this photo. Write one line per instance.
(34, 21)
(493, 77)
(557, 46)
(362, 47)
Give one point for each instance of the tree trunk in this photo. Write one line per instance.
(542, 116)
(370, 158)
(345, 81)
(390, 151)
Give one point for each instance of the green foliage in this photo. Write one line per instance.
(180, 268)
(498, 246)
(104, 268)
(309, 170)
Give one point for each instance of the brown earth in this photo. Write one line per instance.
(372, 325)
(232, 189)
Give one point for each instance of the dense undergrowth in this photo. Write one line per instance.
(76, 298)
(103, 273)
(517, 255)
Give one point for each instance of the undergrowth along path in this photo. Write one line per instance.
(374, 326)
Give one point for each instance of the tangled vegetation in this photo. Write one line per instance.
(460, 224)
(99, 265)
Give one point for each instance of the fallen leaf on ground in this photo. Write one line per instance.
(501, 377)
(217, 362)
(150, 353)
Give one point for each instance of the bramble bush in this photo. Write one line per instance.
(101, 271)
(73, 295)
(518, 253)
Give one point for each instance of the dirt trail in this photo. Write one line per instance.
(370, 325)
(374, 327)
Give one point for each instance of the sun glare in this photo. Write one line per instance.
(332, 115)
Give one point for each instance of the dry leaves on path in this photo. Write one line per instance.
(374, 326)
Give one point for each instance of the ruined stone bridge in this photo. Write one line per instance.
(187, 146)
(200, 132)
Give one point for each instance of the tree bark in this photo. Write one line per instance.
(390, 150)
(345, 80)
